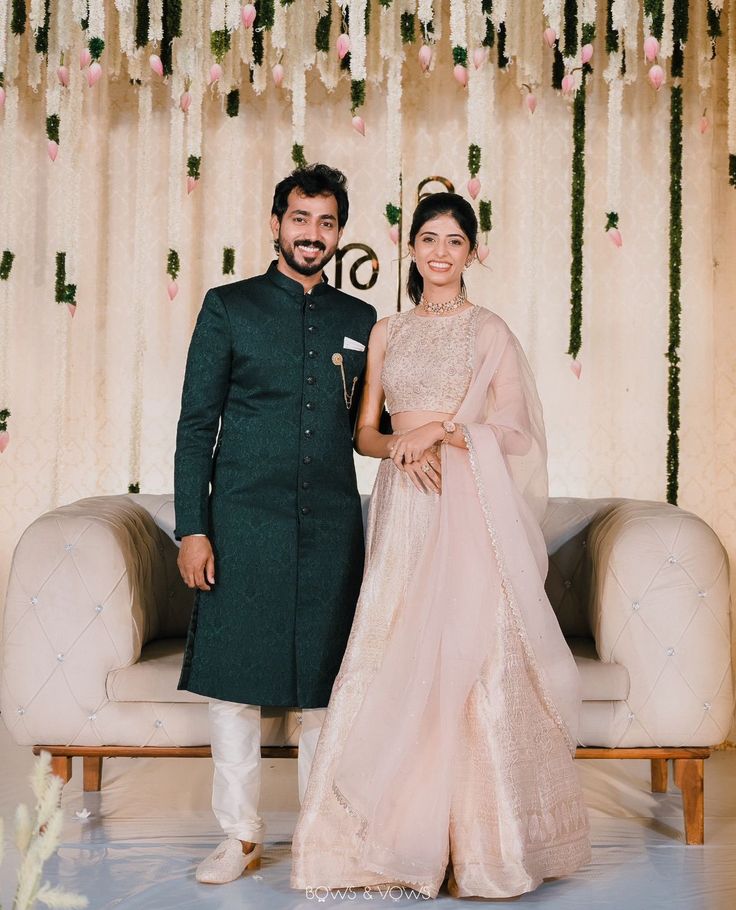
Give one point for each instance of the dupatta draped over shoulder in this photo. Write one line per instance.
(476, 598)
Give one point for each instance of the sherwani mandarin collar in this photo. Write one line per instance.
(292, 287)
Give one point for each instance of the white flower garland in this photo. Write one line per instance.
(390, 34)
(631, 41)
(34, 61)
(232, 16)
(8, 222)
(217, 14)
(36, 14)
(731, 140)
(126, 26)
(176, 169)
(4, 8)
(458, 24)
(425, 14)
(97, 18)
(613, 162)
(394, 129)
(356, 31)
(155, 21)
(278, 29)
(531, 57)
(476, 23)
(666, 45)
(552, 13)
(703, 46)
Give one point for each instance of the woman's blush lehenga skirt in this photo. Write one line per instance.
(516, 812)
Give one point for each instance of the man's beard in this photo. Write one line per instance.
(303, 268)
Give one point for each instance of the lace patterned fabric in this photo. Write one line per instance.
(429, 361)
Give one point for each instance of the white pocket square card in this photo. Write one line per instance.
(351, 345)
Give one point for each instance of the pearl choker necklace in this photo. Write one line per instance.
(449, 306)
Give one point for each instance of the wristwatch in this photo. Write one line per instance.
(449, 427)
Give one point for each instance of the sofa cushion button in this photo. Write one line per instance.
(159, 723)
(707, 706)
(702, 594)
(60, 658)
(98, 608)
(635, 605)
(568, 583)
(34, 601)
(670, 652)
(21, 711)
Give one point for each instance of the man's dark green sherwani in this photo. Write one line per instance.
(283, 514)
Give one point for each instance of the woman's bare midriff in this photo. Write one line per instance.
(411, 420)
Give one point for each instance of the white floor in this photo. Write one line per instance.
(151, 824)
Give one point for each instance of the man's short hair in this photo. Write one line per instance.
(313, 180)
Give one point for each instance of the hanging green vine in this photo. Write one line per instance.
(680, 23)
(142, 22)
(393, 214)
(65, 293)
(96, 47)
(474, 155)
(357, 94)
(570, 29)
(220, 44)
(714, 22)
(194, 163)
(732, 170)
(42, 35)
(134, 487)
(173, 265)
(297, 155)
(322, 31)
(228, 261)
(6, 264)
(611, 220)
(484, 216)
(673, 357)
(611, 32)
(18, 18)
(408, 26)
(52, 127)
(460, 56)
(503, 60)
(577, 218)
(490, 37)
(558, 68)
(655, 9)
(262, 23)
(232, 103)
(171, 23)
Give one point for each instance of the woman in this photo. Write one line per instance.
(451, 729)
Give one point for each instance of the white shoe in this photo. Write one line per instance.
(228, 862)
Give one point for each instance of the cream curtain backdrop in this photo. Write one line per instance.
(71, 383)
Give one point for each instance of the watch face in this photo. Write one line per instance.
(448, 426)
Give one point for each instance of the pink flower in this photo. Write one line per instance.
(704, 124)
(651, 48)
(4, 440)
(85, 58)
(93, 74)
(474, 187)
(550, 36)
(568, 84)
(358, 125)
(63, 75)
(480, 55)
(656, 76)
(156, 65)
(576, 367)
(53, 149)
(248, 14)
(278, 74)
(461, 74)
(72, 307)
(393, 233)
(616, 238)
(343, 45)
(425, 57)
(185, 101)
(531, 102)
(215, 73)
(2, 96)
(172, 289)
(191, 184)
(586, 53)
(483, 252)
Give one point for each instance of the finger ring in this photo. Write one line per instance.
(425, 467)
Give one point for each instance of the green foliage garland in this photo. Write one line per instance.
(357, 94)
(611, 220)
(474, 155)
(220, 44)
(96, 47)
(134, 487)
(576, 218)
(18, 19)
(570, 30)
(558, 68)
(322, 31)
(171, 29)
(6, 264)
(52, 127)
(673, 356)
(42, 35)
(194, 163)
(263, 23)
(714, 23)
(65, 293)
(142, 22)
(680, 22)
(297, 155)
(4, 414)
(393, 214)
(408, 24)
(484, 216)
(460, 55)
(232, 104)
(228, 259)
(655, 9)
(266, 9)
(490, 37)
(173, 265)
(503, 60)
(732, 170)
(611, 32)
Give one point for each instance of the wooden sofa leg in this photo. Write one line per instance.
(689, 778)
(61, 766)
(660, 774)
(92, 765)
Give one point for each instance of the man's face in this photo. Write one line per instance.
(308, 233)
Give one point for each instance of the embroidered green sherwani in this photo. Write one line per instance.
(278, 496)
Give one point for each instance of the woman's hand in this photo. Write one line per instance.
(412, 446)
(426, 472)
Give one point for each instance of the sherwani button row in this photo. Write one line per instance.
(305, 510)
(307, 459)
(311, 380)
(310, 405)
(308, 434)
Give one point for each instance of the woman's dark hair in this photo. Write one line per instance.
(431, 206)
(313, 180)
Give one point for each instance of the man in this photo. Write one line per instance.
(275, 549)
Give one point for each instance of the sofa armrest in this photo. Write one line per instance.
(82, 598)
(659, 604)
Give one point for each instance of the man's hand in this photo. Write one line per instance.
(196, 562)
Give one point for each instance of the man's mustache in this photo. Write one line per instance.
(315, 243)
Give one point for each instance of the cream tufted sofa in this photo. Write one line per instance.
(96, 614)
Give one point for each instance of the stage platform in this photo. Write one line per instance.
(151, 825)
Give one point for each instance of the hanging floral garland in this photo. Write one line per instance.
(732, 96)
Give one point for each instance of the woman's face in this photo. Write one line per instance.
(441, 251)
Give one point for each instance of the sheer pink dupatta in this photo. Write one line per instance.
(484, 553)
